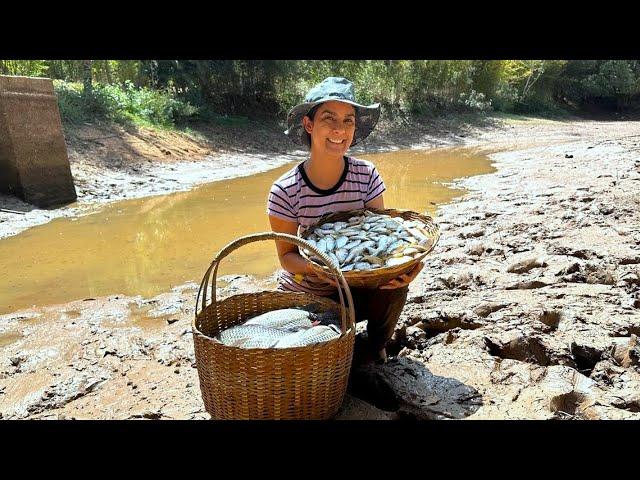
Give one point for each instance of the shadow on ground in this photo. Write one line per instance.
(407, 387)
(12, 204)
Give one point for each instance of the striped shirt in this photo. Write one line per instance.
(295, 199)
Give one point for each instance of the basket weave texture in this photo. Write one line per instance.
(379, 276)
(252, 384)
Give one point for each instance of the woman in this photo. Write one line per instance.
(328, 122)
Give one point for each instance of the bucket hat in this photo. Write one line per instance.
(332, 89)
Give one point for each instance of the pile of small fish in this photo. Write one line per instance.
(369, 241)
(284, 328)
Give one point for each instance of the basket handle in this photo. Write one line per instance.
(212, 272)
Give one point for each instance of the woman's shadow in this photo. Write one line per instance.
(407, 387)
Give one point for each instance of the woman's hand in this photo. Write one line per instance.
(404, 279)
(327, 277)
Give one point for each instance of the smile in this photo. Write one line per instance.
(336, 141)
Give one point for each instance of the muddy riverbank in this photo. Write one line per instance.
(528, 308)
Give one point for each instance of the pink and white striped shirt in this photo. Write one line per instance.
(295, 199)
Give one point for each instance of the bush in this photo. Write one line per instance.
(505, 97)
(474, 101)
(70, 101)
(124, 104)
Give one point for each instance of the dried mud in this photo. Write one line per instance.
(529, 308)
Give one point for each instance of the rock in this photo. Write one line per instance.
(527, 285)
(515, 345)
(577, 277)
(524, 266)
(475, 249)
(598, 273)
(569, 392)
(630, 260)
(461, 280)
(485, 309)
(627, 353)
(415, 337)
(606, 209)
(451, 336)
(471, 232)
(550, 318)
(582, 253)
(571, 268)
(17, 360)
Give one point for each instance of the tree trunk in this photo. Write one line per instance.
(87, 80)
(107, 69)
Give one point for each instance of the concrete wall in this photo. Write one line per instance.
(33, 155)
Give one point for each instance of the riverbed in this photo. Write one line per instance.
(529, 308)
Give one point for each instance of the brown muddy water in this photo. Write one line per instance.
(147, 246)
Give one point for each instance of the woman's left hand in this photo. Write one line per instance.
(404, 279)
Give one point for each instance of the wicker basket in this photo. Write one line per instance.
(285, 383)
(379, 276)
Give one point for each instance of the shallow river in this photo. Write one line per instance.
(147, 246)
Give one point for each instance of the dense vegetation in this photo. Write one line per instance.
(163, 92)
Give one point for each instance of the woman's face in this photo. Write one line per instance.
(332, 128)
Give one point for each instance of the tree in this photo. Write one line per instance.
(87, 80)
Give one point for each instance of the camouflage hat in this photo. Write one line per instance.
(332, 89)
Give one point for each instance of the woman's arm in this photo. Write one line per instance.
(288, 253)
(377, 202)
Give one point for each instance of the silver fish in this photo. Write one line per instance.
(354, 252)
(341, 241)
(317, 334)
(331, 243)
(341, 254)
(240, 333)
(322, 245)
(397, 261)
(339, 226)
(362, 266)
(352, 244)
(285, 318)
(382, 242)
(373, 260)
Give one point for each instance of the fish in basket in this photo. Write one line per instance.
(372, 246)
(283, 328)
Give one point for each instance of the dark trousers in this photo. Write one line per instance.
(381, 309)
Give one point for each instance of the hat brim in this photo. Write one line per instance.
(367, 117)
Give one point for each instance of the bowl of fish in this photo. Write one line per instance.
(371, 246)
(272, 354)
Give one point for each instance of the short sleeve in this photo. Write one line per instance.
(376, 186)
(279, 204)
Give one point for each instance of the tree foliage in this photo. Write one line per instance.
(271, 87)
